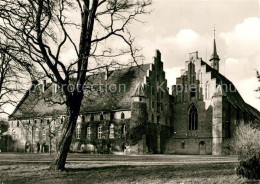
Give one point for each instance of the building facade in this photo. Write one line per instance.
(198, 117)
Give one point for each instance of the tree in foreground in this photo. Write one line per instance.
(95, 32)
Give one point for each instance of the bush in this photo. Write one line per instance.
(248, 150)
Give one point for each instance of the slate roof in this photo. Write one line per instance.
(121, 85)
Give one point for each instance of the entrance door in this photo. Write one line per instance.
(202, 148)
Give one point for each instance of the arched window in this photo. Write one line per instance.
(207, 90)
(193, 118)
(112, 131)
(78, 132)
(91, 117)
(122, 115)
(99, 131)
(101, 117)
(88, 132)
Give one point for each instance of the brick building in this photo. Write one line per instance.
(199, 117)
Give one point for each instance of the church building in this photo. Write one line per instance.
(140, 115)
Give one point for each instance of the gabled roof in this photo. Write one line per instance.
(232, 93)
(106, 94)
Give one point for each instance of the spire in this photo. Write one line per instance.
(214, 59)
(214, 54)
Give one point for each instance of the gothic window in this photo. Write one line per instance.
(193, 118)
(122, 115)
(112, 131)
(99, 131)
(88, 132)
(78, 132)
(91, 117)
(207, 90)
(101, 117)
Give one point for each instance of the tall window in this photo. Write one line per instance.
(123, 129)
(37, 134)
(99, 131)
(17, 123)
(91, 117)
(88, 132)
(44, 134)
(193, 118)
(122, 115)
(152, 118)
(207, 90)
(83, 118)
(78, 132)
(112, 131)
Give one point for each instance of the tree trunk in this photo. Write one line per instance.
(73, 108)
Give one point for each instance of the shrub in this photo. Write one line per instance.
(248, 150)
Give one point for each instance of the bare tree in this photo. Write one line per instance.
(12, 74)
(97, 30)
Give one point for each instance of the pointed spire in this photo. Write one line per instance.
(214, 54)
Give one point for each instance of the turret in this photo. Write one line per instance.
(214, 59)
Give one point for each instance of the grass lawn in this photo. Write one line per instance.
(79, 173)
(87, 169)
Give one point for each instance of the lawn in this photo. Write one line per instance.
(90, 172)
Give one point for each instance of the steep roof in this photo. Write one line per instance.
(231, 92)
(105, 94)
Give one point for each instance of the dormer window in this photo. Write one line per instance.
(101, 117)
(122, 115)
(91, 117)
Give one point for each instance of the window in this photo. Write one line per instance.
(99, 131)
(122, 115)
(37, 134)
(101, 117)
(123, 129)
(78, 132)
(112, 131)
(112, 116)
(61, 120)
(91, 117)
(88, 132)
(35, 121)
(153, 104)
(158, 119)
(152, 118)
(193, 118)
(207, 89)
(140, 99)
(13, 134)
(83, 118)
(0, 134)
(182, 144)
(162, 94)
(44, 134)
(17, 123)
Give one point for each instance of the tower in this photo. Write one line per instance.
(214, 59)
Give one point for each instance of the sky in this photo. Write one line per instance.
(178, 27)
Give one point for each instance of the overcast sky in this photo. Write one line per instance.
(178, 27)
